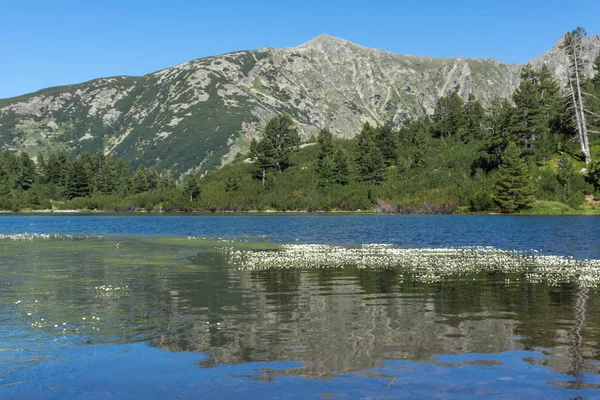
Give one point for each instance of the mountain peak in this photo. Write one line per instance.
(324, 41)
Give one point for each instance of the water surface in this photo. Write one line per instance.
(142, 307)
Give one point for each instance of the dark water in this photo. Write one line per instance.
(164, 316)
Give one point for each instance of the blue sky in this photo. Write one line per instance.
(54, 42)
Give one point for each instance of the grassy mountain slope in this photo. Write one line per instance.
(198, 115)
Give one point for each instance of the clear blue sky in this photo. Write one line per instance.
(54, 42)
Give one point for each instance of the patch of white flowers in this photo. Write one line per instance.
(70, 327)
(110, 290)
(427, 265)
(27, 236)
(36, 236)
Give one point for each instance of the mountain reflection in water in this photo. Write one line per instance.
(337, 321)
(182, 296)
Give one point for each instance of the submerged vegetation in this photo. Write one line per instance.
(524, 154)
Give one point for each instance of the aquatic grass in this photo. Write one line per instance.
(425, 264)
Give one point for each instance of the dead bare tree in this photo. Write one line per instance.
(573, 48)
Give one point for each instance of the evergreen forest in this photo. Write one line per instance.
(536, 152)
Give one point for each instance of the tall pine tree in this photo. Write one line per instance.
(512, 189)
(280, 139)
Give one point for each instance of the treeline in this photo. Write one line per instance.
(526, 152)
(92, 181)
(515, 154)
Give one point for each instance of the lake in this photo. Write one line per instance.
(299, 306)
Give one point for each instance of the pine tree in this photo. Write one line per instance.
(527, 99)
(325, 163)
(372, 165)
(192, 187)
(123, 178)
(105, 174)
(565, 170)
(500, 121)
(55, 170)
(280, 139)
(283, 136)
(166, 180)
(232, 183)
(512, 189)
(341, 167)
(366, 136)
(41, 168)
(572, 182)
(152, 177)
(474, 115)
(263, 154)
(27, 171)
(387, 140)
(551, 100)
(78, 181)
(140, 180)
(325, 142)
(326, 171)
(448, 116)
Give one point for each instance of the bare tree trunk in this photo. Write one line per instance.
(584, 133)
(572, 48)
(578, 120)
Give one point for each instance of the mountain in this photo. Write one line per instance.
(198, 115)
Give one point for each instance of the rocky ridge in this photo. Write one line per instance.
(199, 114)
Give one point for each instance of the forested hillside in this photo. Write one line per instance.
(526, 153)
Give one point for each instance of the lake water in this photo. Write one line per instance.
(143, 307)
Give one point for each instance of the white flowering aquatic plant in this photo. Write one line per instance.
(425, 264)
(47, 236)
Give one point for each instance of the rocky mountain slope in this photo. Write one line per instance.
(198, 115)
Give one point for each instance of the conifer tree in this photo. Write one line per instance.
(27, 171)
(512, 189)
(342, 167)
(474, 115)
(232, 184)
(123, 178)
(192, 187)
(280, 139)
(140, 180)
(165, 180)
(55, 170)
(325, 142)
(500, 121)
(571, 181)
(527, 99)
(448, 116)
(283, 136)
(371, 164)
(551, 100)
(77, 182)
(387, 141)
(325, 163)
(366, 135)
(326, 171)
(41, 168)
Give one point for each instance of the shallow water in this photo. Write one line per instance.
(105, 313)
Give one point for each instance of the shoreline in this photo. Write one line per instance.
(252, 212)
